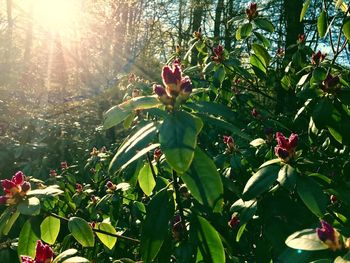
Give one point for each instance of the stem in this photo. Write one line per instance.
(178, 200)
(151, 165)
(99, 231)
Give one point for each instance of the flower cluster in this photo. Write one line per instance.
(329, 85)
(218, 56)
(177, 87)
(252, 11)
(43, 254)
(329, 236)
(317, 58)
(285, 148)
(15, 189)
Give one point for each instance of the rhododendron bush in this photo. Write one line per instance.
(212, 167)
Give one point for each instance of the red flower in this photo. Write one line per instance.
(157, 154)
(218, 54)
(330, 83)
(14, 189)
(285, 148)
(251, 11)
(228, 140)
(301, 38)
(234, 221)
(329, 235)
(53, 173)
(64, 165)
(78, 188)
(43, 254)
(317, 58)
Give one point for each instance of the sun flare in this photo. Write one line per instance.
(57, 15)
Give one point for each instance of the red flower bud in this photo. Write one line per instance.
(26, 187)
(53, 173)
(293, 140)
(159, 90)
(78, 188)
(7, 185)
(18, 178)
(301, 38)
(281, 140)
(333, 199)
(234, 221)
(157, 154)
(255, 113)
(317, 58)
(171, 75)
(64, 165)
(281, 153)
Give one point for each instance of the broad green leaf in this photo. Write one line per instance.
(131, 146)
(117, 114)
(346, 28)
(304, 9)
(76, 260)
(209, 242)
(160, 210)
(10, 222)
(257, 142)
(245, 209)
(204, 182)
(322, 24)
(65, 254)
(27, 240)
(306, 239)
(312, 195)
(264, 24)
(178, 139)
(219, 76)
(343, 259)
(258, 65)
(140, 154)
(269, 162)
(212, 108)
(49, 228)
(260, 182)
(262, 39)
(81, 231)
(5, 216)
(108, 241)
(30, 206)
(219, 123)
(261, 52)
(244, 31)
(146, 180)
(51, 190)
(287, 176)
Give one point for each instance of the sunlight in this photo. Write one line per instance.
(57, 15)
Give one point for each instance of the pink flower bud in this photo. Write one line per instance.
(171, 75)
(43, 253)
(186, 85)
(7, 185)
(281, 152)
(159, 90)
(293, 140)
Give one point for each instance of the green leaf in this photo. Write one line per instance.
(287, 176)
(245, 209)
(346, 28)
(178, 139)
(312, 195)
(117, 114)
(146, 179)
(10, 222)
(322, 24)
(240, 232)
(262, 53)
(269, 162)
(204, 182)
(306, 239)
(257, 142)
(27, 240)
(81, 231)
(258, 65)
(244, 31)
(260, 182)
(160, 210)
(264, 24)
(49, 228)
(344, 259)
(67, 253)
(30, 206)
(51, 190)
(76, 260)
(140, 154)
(304, 9)
(209, 242)
(262, 39)
(108, 241)
(219, 76)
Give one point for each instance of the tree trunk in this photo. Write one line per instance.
(217, 21)
(198, 11)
